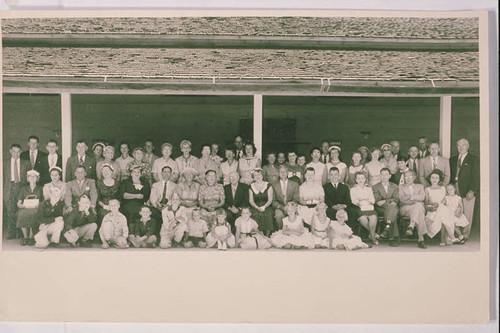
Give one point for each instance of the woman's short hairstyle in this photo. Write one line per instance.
(359, 173)
(185, 142)
(109, 166)
(315, 148)
(138, 148)
(205, 145)
(109, 148)
(385, 169)
(309, 169)
(166, 144)
(250, 143)
(436, 172)
(125, 143)
(210, 171)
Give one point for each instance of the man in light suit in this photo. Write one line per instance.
(52, 159)
(236, 197)
(411, 198)
(465, 175)
(337, 197)
(413, 160)
(285, 190)
(80, 159)
(161, 191)
(386, 204)
(434, 161)
(14, 177)
(33, 154)
(78, 187)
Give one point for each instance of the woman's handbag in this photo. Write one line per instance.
(31, 201)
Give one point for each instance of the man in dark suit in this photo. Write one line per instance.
(413, 160)
(33, 154)
(422, 147)
(238, 147)
(80, 159)
(236, 197)
(399, 177)
(337, 197)
(465, 175)
(14, 176)
(52, 159)
(395, 147)
(285, 191)
(386, 204)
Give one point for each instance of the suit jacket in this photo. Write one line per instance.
(405, 194)
(380, 194)
(240, 198)
(25, 155)
(426, 153)
(292, 194)
(73, 163)
(412, 167)
(24, 166)
(468, 176)
(74, 192)
(395, 178)
(340, 195)
(45, 175)
(425, 169)
(157, 192)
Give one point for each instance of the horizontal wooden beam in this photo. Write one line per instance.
(238, 42)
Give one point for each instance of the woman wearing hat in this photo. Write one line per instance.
(107, 189)
(387, 159)
(109, 154)
(56, 181)
(365, 154)
(336, 162)
(28, 200)
(372, 168)
(97, 150)
(188, 189)
(260, 199)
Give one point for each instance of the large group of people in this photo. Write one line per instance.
(138, 199)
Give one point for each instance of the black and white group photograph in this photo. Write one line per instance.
(251, 133)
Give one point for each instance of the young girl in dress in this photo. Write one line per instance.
(293, 235)
(320, 227)
(143, 233)
(220, 234)
(454, 203)
(114, 229)
(197, 230)
(341, 236)
(248, 236)
(28, 200)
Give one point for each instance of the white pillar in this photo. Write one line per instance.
(257, 123)
(66, 129)
(445, 126)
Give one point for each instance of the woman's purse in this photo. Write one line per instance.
(31, 201)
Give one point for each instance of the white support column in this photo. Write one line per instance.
(257, 123)
(445, 126)
(66, 129)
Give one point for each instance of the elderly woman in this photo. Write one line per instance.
(109, 154)
(138, 162)
(124, 159)
(247, 163)
(229, 166)
(97, 150)
(355, 166)
(56, 181)
(205, 163)
(270, 170)
(389, 161)
(186, 160)
(187, 189)
(295, 171)
(310, 194)
(107, 189)
(28, 200)
(134, 193)
(336, 162)
(365, 154)
(372, 168)
(260, 197)
(210, 197)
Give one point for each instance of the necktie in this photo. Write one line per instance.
(81, 160)
(52, 161)
(283, 189)
(233, 188)
(164, 196)
(459, 165)
(32, 159)
(324, 159)
(434, 163)
(334, 186)
(16, 175)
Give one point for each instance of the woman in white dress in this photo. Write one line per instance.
(438, 217)
(373, 167)
(455, 205)
(362, 197)
(310, 193)
(293, 235)
(320, 227)
(355, 166)
(247, 163)
(55, 176)
(341, 235)
(336, 162)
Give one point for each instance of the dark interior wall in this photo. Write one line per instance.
(465, 122)
(343, 118)
(29, 114)
(200, 119)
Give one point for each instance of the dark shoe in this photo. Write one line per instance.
(30, 241)
(384, 234)
(86, 243)
(24, 241)
(394, 242)
(55, 245)
(422, 245)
